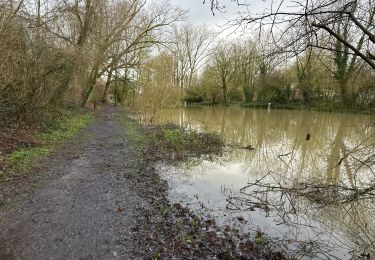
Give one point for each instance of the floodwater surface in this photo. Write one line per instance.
(304, 181)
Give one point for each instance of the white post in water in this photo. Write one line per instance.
(185, 103)
(269, 107)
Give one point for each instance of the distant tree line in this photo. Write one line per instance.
(252, 71)
(245, 71)
(336, 37)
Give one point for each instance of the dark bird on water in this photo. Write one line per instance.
(308, 136)
(249, 147)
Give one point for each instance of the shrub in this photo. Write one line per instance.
(34, 74)
(193, 95)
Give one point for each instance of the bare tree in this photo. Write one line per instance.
(248, 59)
(309, 21)
(191, 47)
(224, 65)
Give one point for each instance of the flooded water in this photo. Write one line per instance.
(302, 182)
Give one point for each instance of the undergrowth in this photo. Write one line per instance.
(179, 143)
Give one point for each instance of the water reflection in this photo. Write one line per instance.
(283, 132)
(339, 152)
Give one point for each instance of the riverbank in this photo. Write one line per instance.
(323, 107)
(295, 146)
(172, 230)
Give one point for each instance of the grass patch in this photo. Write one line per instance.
(175, 143)
(28, 154)
(135, 135)
(170, 142)
(65, 128)
(23, 159)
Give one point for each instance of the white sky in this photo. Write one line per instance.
(199, 13)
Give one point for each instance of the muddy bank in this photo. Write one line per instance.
(167, 230)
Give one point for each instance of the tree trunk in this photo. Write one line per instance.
(343, 84)
(248, 93)
(107, 83)
(89, 87)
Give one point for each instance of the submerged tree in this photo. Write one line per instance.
(209, 84)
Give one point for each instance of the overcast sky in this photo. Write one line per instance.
(201, 13)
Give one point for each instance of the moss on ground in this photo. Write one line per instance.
(65, 128)
(48, 140)
(135, 135)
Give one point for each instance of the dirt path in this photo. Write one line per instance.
(82, 206)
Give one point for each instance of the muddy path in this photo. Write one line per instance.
(99, 197)
(79, 205)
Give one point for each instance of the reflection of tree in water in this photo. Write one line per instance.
(333, 169)
(351, 153)
(355, 220)
(278, 133)
(339, 216)
(223, 122)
